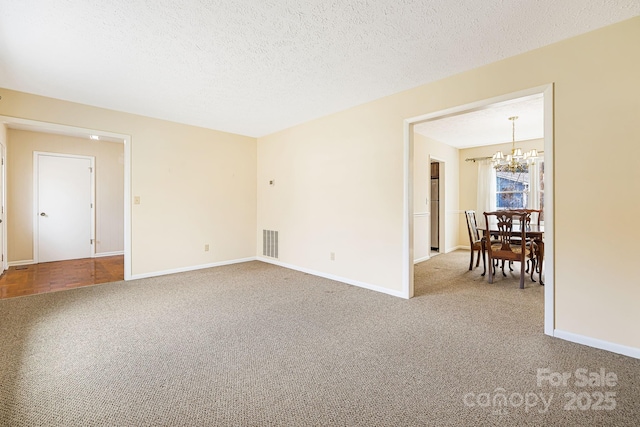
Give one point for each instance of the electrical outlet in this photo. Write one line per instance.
(332, 256)
(206, 247)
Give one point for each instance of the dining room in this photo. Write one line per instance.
(494, 158)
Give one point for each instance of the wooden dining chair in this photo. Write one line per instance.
(534, 216)
(537, 247)
(476, 241)
(511, 245)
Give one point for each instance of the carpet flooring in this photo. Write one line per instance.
(254, 344)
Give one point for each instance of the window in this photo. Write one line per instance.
(512, 190)
(521, 189)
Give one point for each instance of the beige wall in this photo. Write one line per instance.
(342, 177)
(425, 149)
(469, 177)
(196, 186)
(336, 192)
(109, 169)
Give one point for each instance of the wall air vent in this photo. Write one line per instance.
(270, 243)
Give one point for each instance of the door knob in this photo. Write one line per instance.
(43, 214)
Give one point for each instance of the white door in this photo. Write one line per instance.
(64, 207)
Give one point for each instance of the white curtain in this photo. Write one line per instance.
(486, 190)
(533, 201)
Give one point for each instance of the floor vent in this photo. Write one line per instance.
(270, 243)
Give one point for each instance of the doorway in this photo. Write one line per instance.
(88, 135)
(408, 227)
(437, 208)
(64, 197)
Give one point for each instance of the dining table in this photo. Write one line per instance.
(534, 232)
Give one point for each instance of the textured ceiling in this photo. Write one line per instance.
(254, 67)
(489, 125)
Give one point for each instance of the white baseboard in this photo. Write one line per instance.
(190, 268)
(424, 258)
(30, 261)
(596, 343)
(332, 277)
(103, 254)
(455, 248)
(19, 263)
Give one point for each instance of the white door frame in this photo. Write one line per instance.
(36, 198)
(5, 259)
(55, 128)
(549, 216)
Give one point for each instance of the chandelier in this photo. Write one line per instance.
(517, 161)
